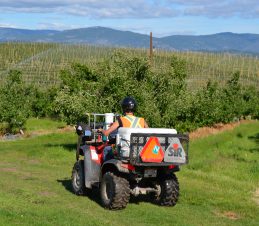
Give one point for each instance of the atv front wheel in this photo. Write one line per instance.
(168, 191)
(115, 191)
(78, 178)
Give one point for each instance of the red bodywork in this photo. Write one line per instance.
(97, 153)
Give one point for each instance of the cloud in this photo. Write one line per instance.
(91, 8)
(8, 25)
(136, 9)
(56, 26)
(223, 8)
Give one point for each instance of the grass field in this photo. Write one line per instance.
(220, 186)
(42, 62)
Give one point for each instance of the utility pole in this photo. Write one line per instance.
(151, 49)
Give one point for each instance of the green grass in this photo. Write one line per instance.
(34, 124)
(217, 186)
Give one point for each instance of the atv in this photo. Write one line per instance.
(144, 162)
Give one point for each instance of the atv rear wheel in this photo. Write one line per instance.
(169, 191)
(78, 178)
(115, 191)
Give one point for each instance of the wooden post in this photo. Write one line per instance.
(151, 49)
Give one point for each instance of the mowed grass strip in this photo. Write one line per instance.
(219, 186)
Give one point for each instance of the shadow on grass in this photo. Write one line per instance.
(66, 183)
(94, 194)
(68, 147)
(255, 138)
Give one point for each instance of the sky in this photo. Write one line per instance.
(162, 18)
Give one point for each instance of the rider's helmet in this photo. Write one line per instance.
(128, 104)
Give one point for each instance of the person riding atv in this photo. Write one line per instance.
(129, 106)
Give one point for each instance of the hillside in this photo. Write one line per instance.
(219, 186)
(229, 42)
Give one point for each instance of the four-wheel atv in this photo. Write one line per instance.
(144, 162)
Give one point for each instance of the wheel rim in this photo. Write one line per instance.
(108, 190)
(76, 179)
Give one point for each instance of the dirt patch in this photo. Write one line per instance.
(217, 128)
(27, 176)
(256, 196)
(66, 129)
(228, 214)
(231, 215)
(47, 193)
(34, 162)
(8, 169)
(45, 132)
(36, 133)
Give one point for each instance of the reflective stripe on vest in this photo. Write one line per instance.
(132, 122)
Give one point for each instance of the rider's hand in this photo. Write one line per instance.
(100, 130)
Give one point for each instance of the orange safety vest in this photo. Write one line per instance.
(131, 121)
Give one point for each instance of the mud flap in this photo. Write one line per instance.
(92, 165)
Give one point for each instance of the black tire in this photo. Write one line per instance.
(115, 191)
(169, 191)
(78, 178)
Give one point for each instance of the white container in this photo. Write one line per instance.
(109, 118)
(123, 137)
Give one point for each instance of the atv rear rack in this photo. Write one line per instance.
(139, 140)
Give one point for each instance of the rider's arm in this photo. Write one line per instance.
(113, 127)
(145, 124)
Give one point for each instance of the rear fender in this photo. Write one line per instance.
(113, 165)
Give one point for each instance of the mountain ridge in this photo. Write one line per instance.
(225, 41)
